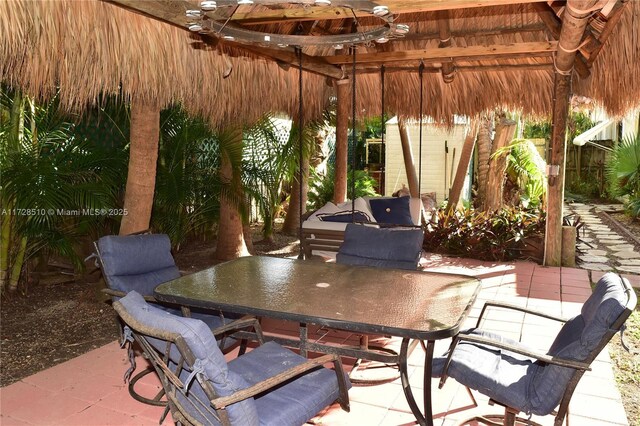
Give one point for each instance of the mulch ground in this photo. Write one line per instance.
(61, 318)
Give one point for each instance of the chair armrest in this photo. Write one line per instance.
(239, 324)
(516, 308)
(118, 293)
(223, 402)
(563, 362)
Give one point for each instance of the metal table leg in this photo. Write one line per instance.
(422, 419)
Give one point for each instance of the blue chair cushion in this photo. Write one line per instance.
(386, 248)
(203, 345)
(502, 375)
(295, 402)
(394, 210)
(137, 262)
(533, 386)
(578, 338)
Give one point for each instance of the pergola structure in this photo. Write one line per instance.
(529, 55)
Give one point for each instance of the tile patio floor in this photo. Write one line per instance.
(88, 390)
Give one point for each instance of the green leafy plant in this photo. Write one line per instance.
(623, 173)
(525, 172)
(504, 235)
(271, 158)
(321, 187)
(54, 187)
(188, 187)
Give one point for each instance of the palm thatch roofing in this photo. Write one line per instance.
(503, 56)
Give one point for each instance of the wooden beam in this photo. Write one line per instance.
(573, 27)
(173, 12)
(469, 52)
(327, 13)
(460, 68)
(554, 24)
(445, 41)
(611, 24)
(463, 168)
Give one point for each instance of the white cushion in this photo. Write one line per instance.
(328, 208)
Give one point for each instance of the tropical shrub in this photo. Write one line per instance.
(55, 187)
(188, 187)
(504, 235)
(321, 187)
(623, 173)
(271, 158)
(525, 173)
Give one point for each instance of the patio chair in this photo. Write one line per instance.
(268, 385)
(141, 262)
(398, 247)
(525, 380)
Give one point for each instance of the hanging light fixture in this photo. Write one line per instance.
(384, 32)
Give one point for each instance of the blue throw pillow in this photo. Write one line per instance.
(345, 217)
(391, 210)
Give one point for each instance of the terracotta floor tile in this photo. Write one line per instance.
(92, 388)
(49, 410)
(360, 414)
(10, 421)
(18, 394)
(101, 416)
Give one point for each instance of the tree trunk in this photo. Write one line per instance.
(141, 178)
(231, 243)
(407, 155)
(248, 236)
(342, 141)
(497, 165)
(16, 270)
(463, 167)
(292, 220)
(484, 153)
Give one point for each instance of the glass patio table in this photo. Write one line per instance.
(414, 305)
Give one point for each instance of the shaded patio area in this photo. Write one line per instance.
(89, 390)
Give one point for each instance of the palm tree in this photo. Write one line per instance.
(187, 194)
(231, 242)
(623, 172)
(53, 185)
(141, 177)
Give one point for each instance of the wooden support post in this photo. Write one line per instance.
(575, 19)
(463, 167)
(505, 130)
(444, 31)
(342, 140)
(407, 154)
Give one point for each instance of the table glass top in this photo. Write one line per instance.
(326, 293)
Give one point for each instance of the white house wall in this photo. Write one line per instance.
(433, 157)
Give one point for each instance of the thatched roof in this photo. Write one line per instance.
(88, 47)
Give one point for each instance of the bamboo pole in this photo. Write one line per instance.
(444, 32)
(407, 155)
(342, 140)
(575, 20)
(463, 167)
(505, 130)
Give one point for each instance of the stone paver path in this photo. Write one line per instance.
(602, 248)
